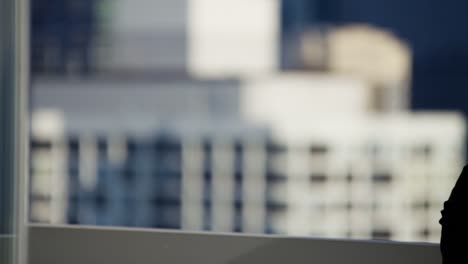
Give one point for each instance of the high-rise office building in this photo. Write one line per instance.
(238, 144)
(132, 37)
(257, 168)
(358, 183)
(439, 65)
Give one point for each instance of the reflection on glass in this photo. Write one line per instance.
(175, 114)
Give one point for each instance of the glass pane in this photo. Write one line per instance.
(295, 117)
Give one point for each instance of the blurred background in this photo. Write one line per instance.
(325, 118)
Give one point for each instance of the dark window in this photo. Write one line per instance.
(382, 177)
(318, 178)
(318, 149)
(382, 234)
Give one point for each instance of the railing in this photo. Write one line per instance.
(86, 245)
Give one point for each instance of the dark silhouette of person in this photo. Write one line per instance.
(454, 221)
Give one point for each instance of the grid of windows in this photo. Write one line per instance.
(387, 187)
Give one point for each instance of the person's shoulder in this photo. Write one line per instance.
(461, 186)
(465, 169)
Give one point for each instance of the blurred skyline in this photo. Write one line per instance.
(433, 29)
(262, 116)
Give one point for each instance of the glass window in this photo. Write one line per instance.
(295, 117)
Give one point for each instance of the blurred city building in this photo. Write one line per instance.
(378, 177)
(432, 28)
(186, 116)
(142, 36)
(62, 35)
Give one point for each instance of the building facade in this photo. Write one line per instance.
(382, 178)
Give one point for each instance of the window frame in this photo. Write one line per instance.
(14, 76)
